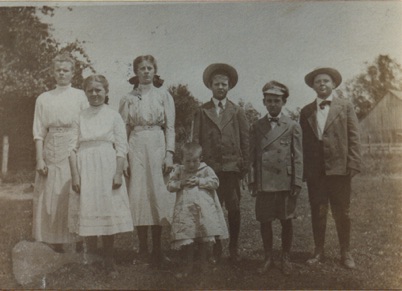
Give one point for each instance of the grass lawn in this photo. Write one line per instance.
(376, 243)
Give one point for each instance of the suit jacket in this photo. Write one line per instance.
(276, 155)
(224, 138)
(340, 140)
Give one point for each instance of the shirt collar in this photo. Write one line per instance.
(216, 101)
(329, 98)
(279, 115)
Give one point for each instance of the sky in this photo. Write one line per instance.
(264, 41)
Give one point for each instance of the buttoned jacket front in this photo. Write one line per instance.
(276, 155)
(340, 139)
(224, 138)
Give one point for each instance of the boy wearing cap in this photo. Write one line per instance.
(221, 128)
(276, 171)
(331, 158)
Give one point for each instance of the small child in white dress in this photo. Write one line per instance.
(97, 173)
(198, 217)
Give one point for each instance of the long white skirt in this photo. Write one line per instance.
(101, 211)
(150, 201)
(51, 195)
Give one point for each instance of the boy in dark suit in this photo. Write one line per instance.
(221, 128)
(276, 171)
(331, 158)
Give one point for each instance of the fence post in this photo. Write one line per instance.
(4, 164)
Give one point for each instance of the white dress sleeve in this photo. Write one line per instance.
(120, 136)
(170, 115)
(39, 128)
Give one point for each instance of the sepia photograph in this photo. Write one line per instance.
(226, 145)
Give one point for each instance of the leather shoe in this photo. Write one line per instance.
(286, 265)
(268, 264)
(316, 258)
(347, 261)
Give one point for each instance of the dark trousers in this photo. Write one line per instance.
(335, 191)
(229, 197)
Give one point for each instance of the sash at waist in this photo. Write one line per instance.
(59, 129)
(95, 143)
(146, 127)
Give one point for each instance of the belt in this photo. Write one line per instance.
(59, 129)
(146, 127)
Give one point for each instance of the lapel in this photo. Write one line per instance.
(312, 117)
(225, 117)
(227, 114)
(276, 132)
(210, 111)
(334, 110)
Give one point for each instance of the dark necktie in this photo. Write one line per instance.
(324, 103)
(220, 105)
(273, 119)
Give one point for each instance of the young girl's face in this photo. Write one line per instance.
(191, 161)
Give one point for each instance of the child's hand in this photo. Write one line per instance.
(192, 182)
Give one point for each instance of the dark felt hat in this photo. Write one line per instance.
(335, 75)
(220, 68)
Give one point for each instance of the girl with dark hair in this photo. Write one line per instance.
(149, 114)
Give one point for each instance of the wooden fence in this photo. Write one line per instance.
(382, 148)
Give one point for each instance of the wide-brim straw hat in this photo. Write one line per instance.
(219, 67)
(335, 75)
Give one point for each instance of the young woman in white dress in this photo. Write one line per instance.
(97, 171)
(149, 114)
(55, 111)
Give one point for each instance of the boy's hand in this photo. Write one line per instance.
(252, 189)
(353, 172)
(295, 191)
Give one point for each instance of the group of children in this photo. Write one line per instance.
(270, 154)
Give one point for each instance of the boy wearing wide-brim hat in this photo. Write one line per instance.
(221, 128)
(331, 148)
(277, 168)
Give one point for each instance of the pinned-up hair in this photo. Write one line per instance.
(100, 79)
(64, 57)
(157, 81)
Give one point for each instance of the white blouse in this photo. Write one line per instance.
(57, 108)
(101, 123)
(156, 107)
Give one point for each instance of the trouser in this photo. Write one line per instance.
(334, 191)
(229, 196)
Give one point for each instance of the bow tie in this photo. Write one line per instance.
(324, 103)
(273, 119)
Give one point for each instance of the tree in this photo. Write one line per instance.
(252, 114)
(186, 105)
(27, 49)
(369, 87)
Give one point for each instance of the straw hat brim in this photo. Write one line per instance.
(335, 75)
(211, 69)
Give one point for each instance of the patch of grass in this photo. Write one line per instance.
(19, 177)
(375, 244)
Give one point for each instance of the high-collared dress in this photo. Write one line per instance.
(151, 118)
(101, 137)
(55, 111)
